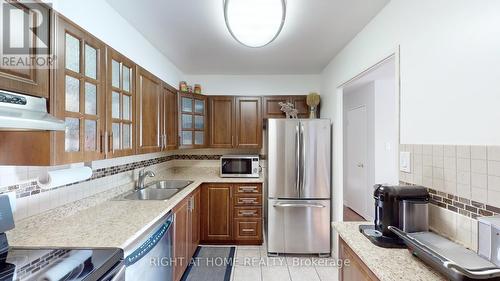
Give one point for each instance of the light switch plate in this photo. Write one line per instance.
(405, 161)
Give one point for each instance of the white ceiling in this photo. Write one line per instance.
(193, 35)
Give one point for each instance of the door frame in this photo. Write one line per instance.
(338, 139)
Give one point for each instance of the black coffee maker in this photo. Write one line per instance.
(405, 207)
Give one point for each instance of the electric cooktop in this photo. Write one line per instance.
(25, 264)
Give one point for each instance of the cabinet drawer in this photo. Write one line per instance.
(249, 188)
(241, 212)
(247, 200)
(247, 229)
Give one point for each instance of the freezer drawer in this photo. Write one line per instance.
(299, 226)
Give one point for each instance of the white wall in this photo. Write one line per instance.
(448, 63)
(386, 146)
(256, 84)
(101, 20)
(449, 66)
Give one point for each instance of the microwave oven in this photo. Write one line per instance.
(239, 166)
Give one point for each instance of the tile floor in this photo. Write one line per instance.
(253, 264)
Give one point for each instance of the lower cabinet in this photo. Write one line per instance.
(356, 270)
(216, 214)
(194, 219)
(186, 232)
(181, 230)
(231, 214)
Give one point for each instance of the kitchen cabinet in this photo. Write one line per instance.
(181, 243)
(222, 121)
(231, 213)
(235, 122)
(120, 104)
(79, 94)
(186, 232)
(271, 107)
(356, 270)
(192, 120)
(217, 212)
(33, 80)
(170, 119)
(248, 122)
(194, 221)
(148, 111)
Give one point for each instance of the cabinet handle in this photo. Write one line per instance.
(248, 189)
(250, 200)
(248, 213)
(103, 140)
(247, 230)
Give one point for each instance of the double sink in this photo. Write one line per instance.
(157, 190)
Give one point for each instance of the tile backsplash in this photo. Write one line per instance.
(464, 182)
(106, 174)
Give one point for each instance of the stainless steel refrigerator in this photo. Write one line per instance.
(298, 190)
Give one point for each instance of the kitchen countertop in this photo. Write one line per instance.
(109, 223)
(386, 264)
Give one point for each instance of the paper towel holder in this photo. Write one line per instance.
(61, 177)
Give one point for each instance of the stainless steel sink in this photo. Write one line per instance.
(169, 184)
(158, 190)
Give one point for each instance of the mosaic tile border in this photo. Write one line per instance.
(460, 205)
(32, 187)
(463, 206)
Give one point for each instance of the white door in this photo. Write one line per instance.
(356, 158)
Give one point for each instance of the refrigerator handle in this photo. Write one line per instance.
(302, 159)
(299, 205)
(297, 162)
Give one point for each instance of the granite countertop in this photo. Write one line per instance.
(98, 222)
(386, 264)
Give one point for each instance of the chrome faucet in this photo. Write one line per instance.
(142, 176)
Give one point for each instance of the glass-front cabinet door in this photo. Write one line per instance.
(80, 100)
(120, 105)
(193, 120)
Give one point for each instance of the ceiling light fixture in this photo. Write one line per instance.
(254, 23)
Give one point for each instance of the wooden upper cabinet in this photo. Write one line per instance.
(222, 121)
(79, 94)
(216, 220)
(32, 80)
(248, 122)
(170, 117)
(192, 120)
(148, 111)
(272, 109)
(120, 101)
(300, 103)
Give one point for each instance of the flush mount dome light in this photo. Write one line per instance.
(254, 23)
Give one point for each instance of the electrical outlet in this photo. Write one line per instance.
(405, 162)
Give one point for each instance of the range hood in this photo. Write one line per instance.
(26, 113)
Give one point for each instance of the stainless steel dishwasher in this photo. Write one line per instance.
(149, 258)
